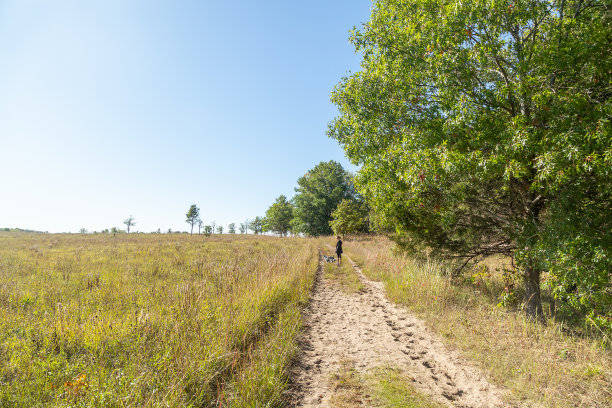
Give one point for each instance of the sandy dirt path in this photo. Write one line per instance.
(370, 330)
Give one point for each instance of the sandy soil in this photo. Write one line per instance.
(367, 328)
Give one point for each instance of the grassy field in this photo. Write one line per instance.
(149, 320)
(545, 364)
(179, 320)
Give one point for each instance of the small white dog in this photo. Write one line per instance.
(329, 259)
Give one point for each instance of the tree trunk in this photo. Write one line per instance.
(533, 302)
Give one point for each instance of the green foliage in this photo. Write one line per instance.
(379, 223)
(257, 225)
(231, 229)
(318, 194)
(483, 127)
(350, 217)
(279, 216)
(193, 216)
(129, 222)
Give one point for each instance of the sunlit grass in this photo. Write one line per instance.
(149, 320)
(385, 387)
(344, 276)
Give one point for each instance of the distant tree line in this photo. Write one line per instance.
(325, 202)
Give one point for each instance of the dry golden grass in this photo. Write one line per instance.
(542, 364)
(149, 320)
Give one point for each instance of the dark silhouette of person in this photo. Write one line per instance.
(339, 249)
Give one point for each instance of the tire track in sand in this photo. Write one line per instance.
(372, 331)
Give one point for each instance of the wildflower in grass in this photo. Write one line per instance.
(77, 387)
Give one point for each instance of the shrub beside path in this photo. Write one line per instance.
(372, 332)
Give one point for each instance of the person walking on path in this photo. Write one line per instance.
(339, 249)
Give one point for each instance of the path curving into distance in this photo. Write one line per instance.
(370, 330)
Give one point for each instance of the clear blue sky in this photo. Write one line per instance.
(115, 107)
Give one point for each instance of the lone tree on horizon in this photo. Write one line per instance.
(193, 216)
(129, 222)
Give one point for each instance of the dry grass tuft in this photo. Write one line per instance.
(385, 387)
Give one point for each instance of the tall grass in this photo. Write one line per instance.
(149, 320)
(544, 364)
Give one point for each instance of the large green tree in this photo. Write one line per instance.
(318, 194)
(279, 216)
(483, 127)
